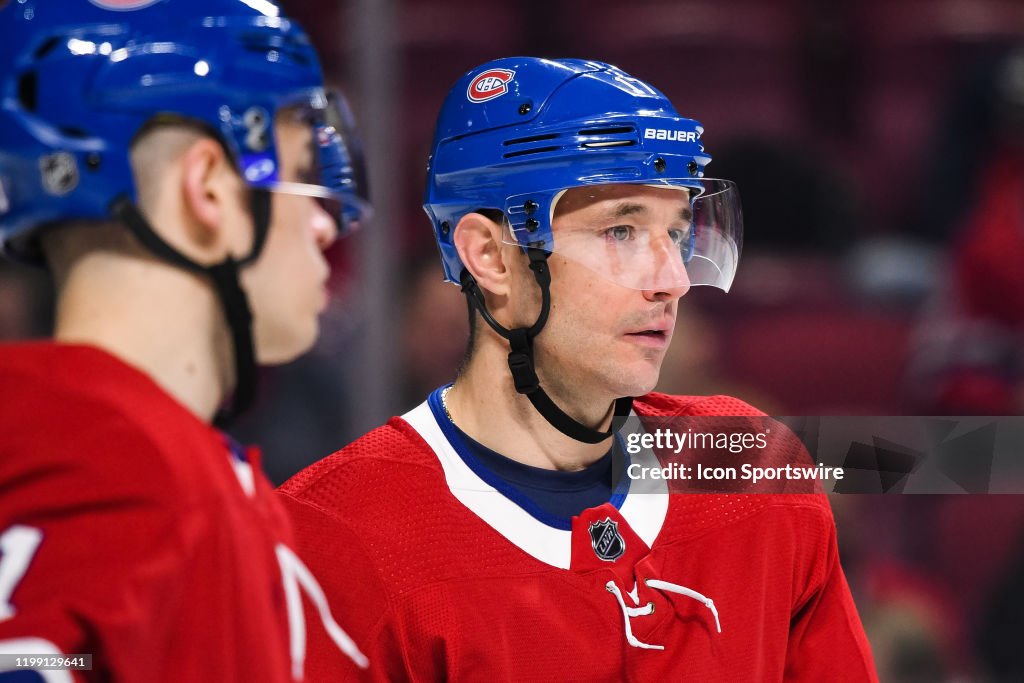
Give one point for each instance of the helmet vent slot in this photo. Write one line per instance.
(616, 130)
(608, 136)
(289, 48)
(535, 138)
(74, 132)
(608, 143)
(535, 150)
(47, 47)
(28, 90)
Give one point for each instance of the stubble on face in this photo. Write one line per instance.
(590, 344)
(582, 350)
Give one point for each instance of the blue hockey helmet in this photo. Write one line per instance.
(79, 80)
(514, 134)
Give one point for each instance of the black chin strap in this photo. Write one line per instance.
(224, 277)
(520, 358)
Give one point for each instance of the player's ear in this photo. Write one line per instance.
(212, 192)
(478, 241)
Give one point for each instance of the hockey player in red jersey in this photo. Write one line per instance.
(179, 167)
(488, 533)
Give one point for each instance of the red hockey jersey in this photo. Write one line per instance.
(442, 577)
(131, 530)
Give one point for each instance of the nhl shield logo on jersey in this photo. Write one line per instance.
(489, 84)
(606, 539)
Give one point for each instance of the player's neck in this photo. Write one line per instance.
(485, 405)
(158, 318)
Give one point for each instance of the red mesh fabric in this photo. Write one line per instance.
(383, 472)
(433, 593)
(728, 415)
(664, 405)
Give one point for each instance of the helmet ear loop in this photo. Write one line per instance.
(472, 290)
(225, 279)
(259, 208)
(238, 312)
(520, 359)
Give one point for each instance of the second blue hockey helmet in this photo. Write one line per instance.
(515, 134)
(80, 80)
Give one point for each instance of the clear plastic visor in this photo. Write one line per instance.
(331, 170)
(669, 235)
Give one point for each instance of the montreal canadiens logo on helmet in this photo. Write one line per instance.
(489, 84)
(123, 5)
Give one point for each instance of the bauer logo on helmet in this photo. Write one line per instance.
(665, 134)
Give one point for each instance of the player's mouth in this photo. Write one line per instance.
(655, 337)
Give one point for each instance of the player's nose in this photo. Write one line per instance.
(667, 279)
(324, 226)
(667, 291)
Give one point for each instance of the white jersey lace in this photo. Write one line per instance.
(629, 613)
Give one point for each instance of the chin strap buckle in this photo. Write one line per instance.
(520, 361)
(523, 374)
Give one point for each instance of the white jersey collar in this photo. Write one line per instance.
(644, 507)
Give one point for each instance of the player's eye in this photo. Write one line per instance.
(678, 235)
(619, 233)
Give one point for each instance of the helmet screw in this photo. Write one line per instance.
(445, 228)
(692, 168)
(659, 165)
(532, 224)
(530, 206)
(92, 161)
(525, 108)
